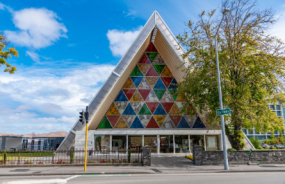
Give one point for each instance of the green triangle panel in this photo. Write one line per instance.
(159, 68)
(151, 55)
(159, 93)
(173, 93)
(136, 72)
(144, 110)
(104, 124)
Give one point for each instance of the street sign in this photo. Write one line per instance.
(221, 112)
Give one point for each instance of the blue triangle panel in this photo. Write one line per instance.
(121, 96)
(159, 85)
(137, 80)
(198, 123)
(173, 84)
(183, 123)
(129, 110)
(159, 110)
(137, 123)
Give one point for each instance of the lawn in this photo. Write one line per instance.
(25, 155)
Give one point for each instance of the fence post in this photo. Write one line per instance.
(18, 156)
(52, 160)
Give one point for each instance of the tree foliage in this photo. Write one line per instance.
(252, 67)
(4, 55)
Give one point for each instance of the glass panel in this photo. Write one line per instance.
(137, 123)
(166, 143)
(151, 72)
(198, 123)
(129, 84)
(104, 123)
(144, 110)
(152, 124)
(135, 142)
(129, 93)
(158, 60)
(136, 72)
(144, 60)
(278, 113)
(278, 107)
(173, 84)
(167, 97)
(181, 144)
(168, 123)
(159, 93)
(121, 123)
(159, 85)
(129, 119)
(159, 68)
(152, 106)
(144, 68)
(113, 119)
(272, 107)
(137, 80)
(121, 106)
(260, 138)
(167, 106)
(250, 131)
(151, 56)
(137, 106)
(119, 143)
(175, 119)
(151, 48)
(129, 110)
(159, 119)
(159, 110)
(113, 110)
(175, 110)
(152, 97)
(121, 96)
(191, 119)
(166, 81)
(144, 119)
(183, 123)
(151, 81)
(102, 143)
(144, 84)
(137, 97)
(144, 92)
(151, 140)
(166, 72)
(180, 105)
(244, 131)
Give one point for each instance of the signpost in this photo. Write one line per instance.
(221, 112)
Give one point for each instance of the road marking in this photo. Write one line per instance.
(72, 177)
(107, 175)
(57, 181)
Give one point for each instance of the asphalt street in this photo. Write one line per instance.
(197, 178)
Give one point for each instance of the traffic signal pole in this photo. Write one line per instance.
(86, 115)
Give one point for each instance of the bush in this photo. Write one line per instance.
(255, 142)
(5, 158)
(71, 157)
(231, 149)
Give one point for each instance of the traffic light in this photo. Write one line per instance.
(81, 118)
(86, 114)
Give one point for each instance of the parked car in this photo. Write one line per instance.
(265, 145)
(280, 146)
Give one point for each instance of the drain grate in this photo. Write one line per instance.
(156, 170)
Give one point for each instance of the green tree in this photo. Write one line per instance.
(5, 54)
(252, 66)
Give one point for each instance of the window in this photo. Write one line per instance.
(102, 143)
(151, 140)
(119, 143)
(135, 142)
(277, 109)
(166, 143)
(181, 144)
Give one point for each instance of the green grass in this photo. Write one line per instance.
(31, 154)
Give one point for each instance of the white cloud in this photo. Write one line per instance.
(279, 27)
(38, 28)
(33, 55)
(120, 41)
(42, 100)
(2, 6)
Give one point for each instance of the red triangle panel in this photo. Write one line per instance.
(166, 80)
(151, 48)
(144, 92)
(152, 123)
(151, 72)
(175, 119)
(113, 119)
(152, 106)
(167, 106)
(129, 92)
(144, 60)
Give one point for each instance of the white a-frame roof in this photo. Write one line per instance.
(156, 31)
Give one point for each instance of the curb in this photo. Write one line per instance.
(69, 165)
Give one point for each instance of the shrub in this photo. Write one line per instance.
(136, 161)
(71, 157)
(231, 149)
(40, 163)
(102, 161)
(129, 156)
(28, 162)
(255, 142)
(125, 161)
(5, 158)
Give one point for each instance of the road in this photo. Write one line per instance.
(197, 178)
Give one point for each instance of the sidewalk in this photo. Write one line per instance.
(95, 170)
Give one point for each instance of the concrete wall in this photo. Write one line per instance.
(13, 142)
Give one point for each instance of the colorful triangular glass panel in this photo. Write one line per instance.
(180, 105)
(129, 119)
(159, 93)
(175, 110)
(152, 97)
(136, 72)
(137, 80)
(137, 106)
(180, 98)
(129, 110)
(151, 72)
(129, 92)
(113, 119)
(160, 119)
(151, 56)
(121, 96)
(137, 97)
(144, 84)
(175, 119)
(168, 123)
(183, 123)
(144, 60)
(144, 92)
(144, 68)
(166, 72)
(199, 123)
(166, 80)
(121, 123)
(151, 48)
(104, 123)
(173, 84)
(113, 110)
(151, 81)
(159, 85)
(158, 68)
(129, 84)
(167, 97)
(191, 119)
(152, 106)
(152, 124)
(158, 60)
(159, 110)
(121, 106)
(144, 119)
(167, 106)
(144, 110)
(137, 123)
(173, 93)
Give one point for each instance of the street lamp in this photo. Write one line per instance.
(226, 164)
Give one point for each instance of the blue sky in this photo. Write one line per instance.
(67, 49)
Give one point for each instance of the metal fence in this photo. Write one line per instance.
(69, 157)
